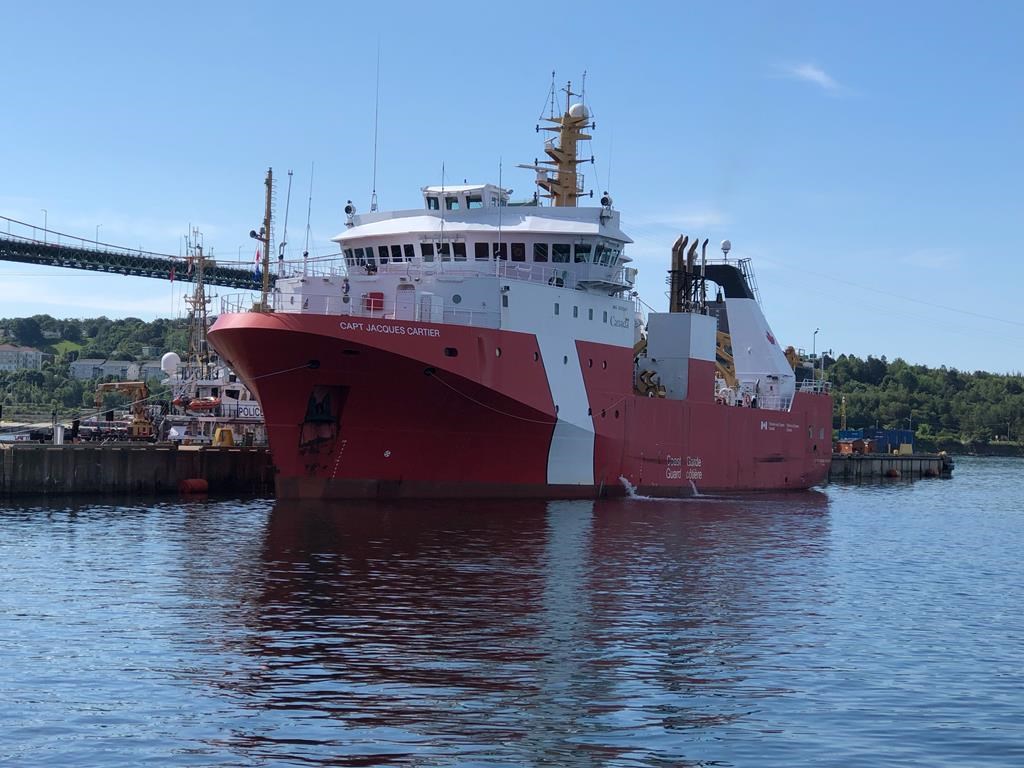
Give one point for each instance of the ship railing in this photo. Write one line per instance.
(815, 385)
(353, 306)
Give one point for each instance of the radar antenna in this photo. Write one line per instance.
(566, 186)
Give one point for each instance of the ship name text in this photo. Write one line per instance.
(388, 328)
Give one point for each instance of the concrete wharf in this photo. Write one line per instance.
(33, 468)
(875, 466)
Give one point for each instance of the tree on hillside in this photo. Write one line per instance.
(26, 331)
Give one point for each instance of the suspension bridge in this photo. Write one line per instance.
(30, 244)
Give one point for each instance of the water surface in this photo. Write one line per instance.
(864, 625)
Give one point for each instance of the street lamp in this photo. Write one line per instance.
(814, 341)
(98, 234)
(44, 224)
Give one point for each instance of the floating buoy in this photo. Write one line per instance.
(193, 485)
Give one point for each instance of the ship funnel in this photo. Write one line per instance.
(675, 275)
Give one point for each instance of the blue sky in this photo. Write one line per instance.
(866, 156)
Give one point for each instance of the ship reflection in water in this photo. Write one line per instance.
(870, 627)
(569, 632)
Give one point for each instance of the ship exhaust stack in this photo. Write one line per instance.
(687, 286)
(676, 275)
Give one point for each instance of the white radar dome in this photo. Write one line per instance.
(726, 246)
(579, 110)
(169, 363)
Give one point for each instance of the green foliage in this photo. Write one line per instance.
(53, 387)
(941, 404)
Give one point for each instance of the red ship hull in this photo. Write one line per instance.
(359, 408)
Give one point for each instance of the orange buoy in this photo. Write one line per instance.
(193, 485)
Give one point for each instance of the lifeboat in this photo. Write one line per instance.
(203, 403)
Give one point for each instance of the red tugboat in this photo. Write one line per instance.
(477, 347)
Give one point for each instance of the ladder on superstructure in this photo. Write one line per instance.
(748, 274)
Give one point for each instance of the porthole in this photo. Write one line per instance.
(590, 363)
(451, 352)
(604, 364)
(536, 357)
(616, 413)
(565, 359)
(456, 299)
(497, 351)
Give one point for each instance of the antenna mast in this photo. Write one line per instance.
(565, 187)
(376, 113)
(198, 349)
(309, 211)
(266, 239)
(284, 234)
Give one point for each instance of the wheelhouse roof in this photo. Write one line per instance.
(570, 222)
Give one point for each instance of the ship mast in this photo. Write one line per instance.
(266, 240)
(198, 348)
(564, 188)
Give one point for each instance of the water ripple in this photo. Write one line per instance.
(869, 626)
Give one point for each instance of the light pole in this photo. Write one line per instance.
(814, 342)
(44, 224)
(98, 235)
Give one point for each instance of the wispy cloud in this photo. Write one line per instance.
(932, 258)
(691, 217)
(813, 74)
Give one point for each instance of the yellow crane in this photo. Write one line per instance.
(141, 426)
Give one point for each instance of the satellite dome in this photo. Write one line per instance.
(169, 363)
(726, 246)
(579, 110)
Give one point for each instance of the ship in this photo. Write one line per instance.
(479, 347)
(209, 405)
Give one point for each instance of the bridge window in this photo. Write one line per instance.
(410, 251)
(444, 249)
(360, 258)
(540, 251)
(556, 307)
(560, 253)
(428, 251)
(451, 203)
(518, 252)
(590, 314)
(432, 204)
(501, 251)
(474, 201)
(480, 251)
(382, 254)
(349, 258)
(575, 311)
(583, 253)
(396, 253)
(459, 251)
